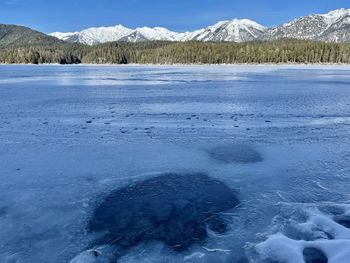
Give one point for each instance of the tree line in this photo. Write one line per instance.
(193, 52)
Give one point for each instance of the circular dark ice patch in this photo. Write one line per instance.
(235, 153)
(314, 255)
(173, 208)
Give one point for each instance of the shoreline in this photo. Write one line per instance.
(188, 65)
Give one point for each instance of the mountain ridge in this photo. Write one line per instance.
(16, 36)
(330, 27)
(218, 32)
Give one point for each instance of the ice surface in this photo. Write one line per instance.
(173, 208)
(321, 238)
(235, 153)
(72, 135)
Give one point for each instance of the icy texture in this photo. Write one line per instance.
(235, 153)
(173, 208)
(72, 135)
(328, 239)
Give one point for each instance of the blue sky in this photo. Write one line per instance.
(179, 15)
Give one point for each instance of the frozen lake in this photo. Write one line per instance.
(175, 164)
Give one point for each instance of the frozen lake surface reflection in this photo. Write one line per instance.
(174, 164)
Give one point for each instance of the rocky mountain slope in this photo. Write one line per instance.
(234, 31)
(331, 27)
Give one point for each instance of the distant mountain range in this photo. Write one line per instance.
(331, 27)
(235, 31)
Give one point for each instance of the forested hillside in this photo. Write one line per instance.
(280, 51)
(18, 36)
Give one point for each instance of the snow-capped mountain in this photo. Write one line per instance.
(157, 33)
(234, 30)
(339, 30)
(331, 27)
(324, 27)
(92, 36)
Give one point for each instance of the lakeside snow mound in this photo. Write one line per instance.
(310, 234)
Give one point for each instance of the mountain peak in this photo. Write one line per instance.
(335, 15)
(313, 27)
(239, 22)
(245, 21)
(339, 12)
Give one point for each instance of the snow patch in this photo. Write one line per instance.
(320, 231)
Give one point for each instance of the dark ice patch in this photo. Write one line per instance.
(235, 153)
(3, 211)
(343, 220)
(334, 210)
(173, 208)
(314, 255)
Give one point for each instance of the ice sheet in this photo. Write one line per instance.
(70, 135)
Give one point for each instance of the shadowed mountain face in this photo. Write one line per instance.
(173, 208)
(16, 36)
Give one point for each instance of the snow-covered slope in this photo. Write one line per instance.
(63, 36)
(92, 36)
(338, 31)
(315, 27)
(95, 35)
(332, 27)
(234, 30)
(336, 15)
(157, 33)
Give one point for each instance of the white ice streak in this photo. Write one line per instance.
(88, 256)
